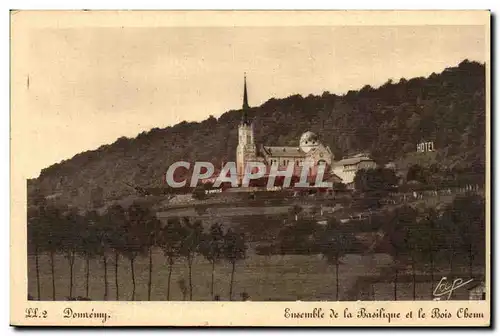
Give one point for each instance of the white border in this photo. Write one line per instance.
(186, 4)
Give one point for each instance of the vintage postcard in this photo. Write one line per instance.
(261, 168)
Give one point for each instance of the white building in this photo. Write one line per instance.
(309, 151)
(347, 168)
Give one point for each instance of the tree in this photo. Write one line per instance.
(447, 230)
(429, 240)
(409, 240)
(333, 244)
(89, 243)
(339, 186)
(402, 226)
(467, 215)
(374, 184)
(117, 222)
(298, 238)
(35, 240)
(70, 241)
(315, 210)
(170, 243)
(51, 221)
(152, 228)
(190, 246)
(103, 243)
(417, 173)
(375, 179)
(136, 237)
(295, 210)
(213, 249)
(234, 250)
(199, 193)
(97, 197)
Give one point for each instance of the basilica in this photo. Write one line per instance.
(310, 151)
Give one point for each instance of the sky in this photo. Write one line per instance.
(90, 86)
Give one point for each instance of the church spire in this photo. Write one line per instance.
(244, 118)
(245, 95)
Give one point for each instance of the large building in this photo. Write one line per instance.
(347, 168)
(310, 150)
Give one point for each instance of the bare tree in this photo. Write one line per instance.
(70, 229)
(333, 244)
(136, 237)
(213, 249)
(116, 219)
(190, 246)
(170, 243)
(234, 250)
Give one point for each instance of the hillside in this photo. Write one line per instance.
(447, 108)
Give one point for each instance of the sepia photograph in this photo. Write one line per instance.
(183, 157)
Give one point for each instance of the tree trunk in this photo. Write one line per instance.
(470, 260)
(117, 256)
(150, 272)
(231, 283)
(396, 286)
(451, 262)
(396, 282)
(171, 263)
(396, 277)
(87, 277)
(190, 266)
(432, 273)
(71, 263)
(414, 278)
(104, 260)
(432, 255)
(53, 276)
(337, 278)
(37, 275)
(212, 287)
(133, 278)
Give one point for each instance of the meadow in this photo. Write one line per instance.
(263, 278)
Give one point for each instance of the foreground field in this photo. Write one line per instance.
(263, 278)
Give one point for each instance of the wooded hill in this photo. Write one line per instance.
(447, 108)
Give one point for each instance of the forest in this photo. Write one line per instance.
(447, 108)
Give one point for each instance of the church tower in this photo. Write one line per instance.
(246, 150)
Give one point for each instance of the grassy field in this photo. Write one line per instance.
(290, 277)
(263, 278)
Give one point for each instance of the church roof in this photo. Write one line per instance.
(244, 117)
(352, 160)
(308, 137)
(280, 151)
